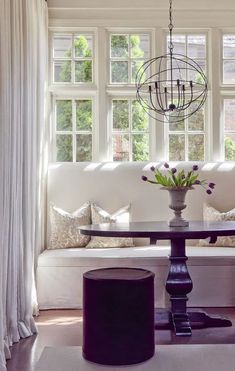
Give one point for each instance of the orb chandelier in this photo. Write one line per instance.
(164, 88)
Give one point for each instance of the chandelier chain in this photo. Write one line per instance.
(170, 26)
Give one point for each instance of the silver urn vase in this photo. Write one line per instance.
(177, 204)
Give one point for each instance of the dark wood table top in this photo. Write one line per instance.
(160, 230)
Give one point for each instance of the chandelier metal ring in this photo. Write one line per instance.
(171, 87)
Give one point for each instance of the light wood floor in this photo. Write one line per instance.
(64, 328)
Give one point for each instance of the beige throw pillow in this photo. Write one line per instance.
(211, 214)
(98, 215)
(64, 227)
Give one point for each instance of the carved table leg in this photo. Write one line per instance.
(178, 285)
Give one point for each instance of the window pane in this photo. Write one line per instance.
(62, 71)
(196, 147)
(196, 46)
(229, 46)
(83, 114)
(229, 72)
(140, 119)
(179, 71)
(196, 121)
(229, 114)
(119, 71)
(139, 46)
(83, 147)
(135, 66)
(119, 46)
(121, 147)
(64, 148)
(120, 114)
(140, 147)
(229, 147)
(62, 46)
(83, 71)
(63, 115)
(176, 126)
(176, 147)
(196, 76)
(83, 45)
(179, 44)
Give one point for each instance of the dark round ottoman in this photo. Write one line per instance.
(118, 324)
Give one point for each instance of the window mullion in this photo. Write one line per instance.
(215, 108)
(130, 131)
(74, 129)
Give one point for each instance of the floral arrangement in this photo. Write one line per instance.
(172, 179)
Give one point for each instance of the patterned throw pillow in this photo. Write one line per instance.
(98, 215)
(64, 227)
(211, 214)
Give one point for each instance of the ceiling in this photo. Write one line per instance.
(144, 13)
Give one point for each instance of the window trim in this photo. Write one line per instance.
(101, 90)
(74, 132)
(79, 85)
(129, 132)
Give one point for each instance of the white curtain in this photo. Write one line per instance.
(23, 68)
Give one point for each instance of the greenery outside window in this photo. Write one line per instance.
(73, 58)
(228, 81)
(127, 54)
(130, 131)
(186, 139)
(73, 130)
(229, 129)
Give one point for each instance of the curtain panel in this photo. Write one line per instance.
(23, 70)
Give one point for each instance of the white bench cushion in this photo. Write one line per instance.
(75, 257)
(60, 273)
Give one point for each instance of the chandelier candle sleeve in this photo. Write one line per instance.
(164, 89)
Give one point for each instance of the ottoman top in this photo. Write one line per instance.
(118, 274)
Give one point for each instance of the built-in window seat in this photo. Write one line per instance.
(113, 185)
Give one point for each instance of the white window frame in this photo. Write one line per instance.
(223, 132)
(124, 90)
(102, 91)
(205, 132)
(127, 59)
(74, 132)
(73, 32)
(226, 91)
(74, 91)
(129, 132)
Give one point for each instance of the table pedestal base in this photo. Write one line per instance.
(182, 324)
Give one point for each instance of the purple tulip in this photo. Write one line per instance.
(144, 178)
(211, 185)
(195, 167)
(166, 165)
(152, 168)
(197, 182)
(173, 170)
(208, 191)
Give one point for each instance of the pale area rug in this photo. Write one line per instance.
(167, 358)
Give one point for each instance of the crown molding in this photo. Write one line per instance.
(136, 18)
(143, 5)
